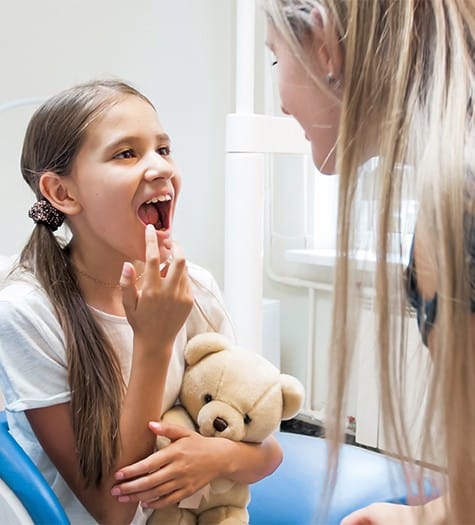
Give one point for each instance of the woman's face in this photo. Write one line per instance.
(316, 109)
(124, 178)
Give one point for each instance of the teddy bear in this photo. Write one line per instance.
(230, 392)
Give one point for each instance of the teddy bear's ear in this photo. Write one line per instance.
(204, 344)
(293, 395)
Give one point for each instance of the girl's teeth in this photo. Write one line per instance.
(162, 198)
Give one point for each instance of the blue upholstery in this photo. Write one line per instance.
(20, 474)
(291, 495)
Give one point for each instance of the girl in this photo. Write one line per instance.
(395, 80)
(92, 331)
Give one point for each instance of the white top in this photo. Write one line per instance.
(33, 367)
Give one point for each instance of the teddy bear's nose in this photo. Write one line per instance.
(219, 424)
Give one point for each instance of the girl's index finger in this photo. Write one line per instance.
(152, 252)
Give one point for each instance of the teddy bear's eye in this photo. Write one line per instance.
(207, 398)
(247, 419)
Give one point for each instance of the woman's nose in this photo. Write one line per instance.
(158, 168)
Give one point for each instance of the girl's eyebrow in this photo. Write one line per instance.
(161, 137)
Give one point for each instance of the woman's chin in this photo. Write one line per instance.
(325, 164)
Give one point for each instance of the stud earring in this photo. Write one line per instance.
(333, 82)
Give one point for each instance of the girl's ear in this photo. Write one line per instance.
(55, 188)
(328, 51)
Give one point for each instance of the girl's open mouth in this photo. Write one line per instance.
(157, 211)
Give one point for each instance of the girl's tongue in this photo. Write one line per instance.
(148, 214)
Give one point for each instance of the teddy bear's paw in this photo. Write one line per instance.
(162, 442)
(226, 515)
(222, 485)
(172, 515)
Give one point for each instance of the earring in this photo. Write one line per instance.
(333, 82)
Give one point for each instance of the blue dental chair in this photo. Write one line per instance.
(290, 496)
(25, 496)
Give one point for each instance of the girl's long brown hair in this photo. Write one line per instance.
(53, 139)
(408, 98)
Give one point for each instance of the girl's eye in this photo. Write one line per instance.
(126, 154)
(164, 151)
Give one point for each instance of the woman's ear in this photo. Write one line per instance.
(55, 189)
(328, 51)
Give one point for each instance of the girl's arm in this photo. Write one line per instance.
(156, 315)
(54, 430)
(189, 463)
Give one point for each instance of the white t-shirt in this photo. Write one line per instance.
(33, 367)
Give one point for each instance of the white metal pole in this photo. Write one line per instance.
(245, 58)
(243, 287)
(244, 197)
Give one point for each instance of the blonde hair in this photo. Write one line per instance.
(52, 141)
(408, 97)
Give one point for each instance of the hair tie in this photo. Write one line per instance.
(45, 213)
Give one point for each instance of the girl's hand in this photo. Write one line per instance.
(174, 472)
(159, 309)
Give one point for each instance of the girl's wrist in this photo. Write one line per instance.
(149, 356)
(154, 348)
(229, 457)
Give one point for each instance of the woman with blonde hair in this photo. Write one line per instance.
(394, 80)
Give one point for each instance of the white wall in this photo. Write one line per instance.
(181, 53)
(178, 52)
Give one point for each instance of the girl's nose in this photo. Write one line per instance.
(158, 168)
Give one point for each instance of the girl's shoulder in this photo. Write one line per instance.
(21, 292)
(201, 275)
(203, 282)
(7, 263)
(209, 312)
(20, 280)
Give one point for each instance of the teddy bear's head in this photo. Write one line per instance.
(234, 393)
